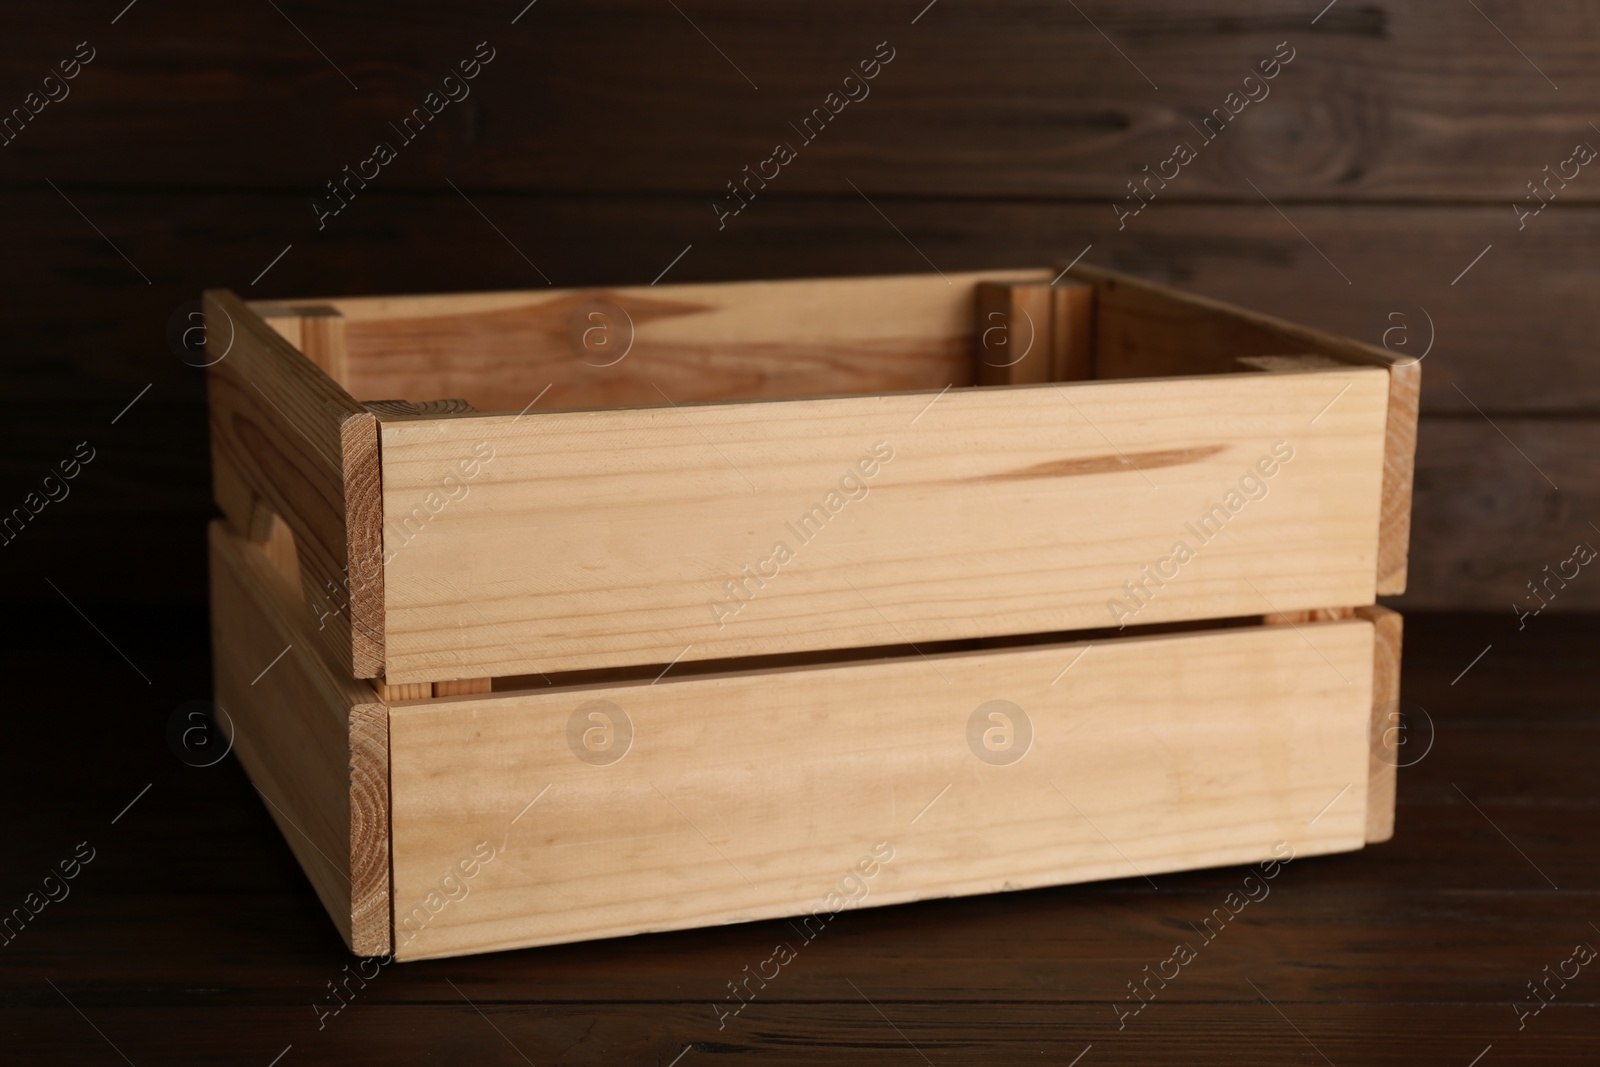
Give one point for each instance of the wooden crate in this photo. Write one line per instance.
(609, 611)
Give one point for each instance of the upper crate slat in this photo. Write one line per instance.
(582, 539)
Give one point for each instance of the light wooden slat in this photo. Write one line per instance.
(322, 339)
(462, 687)
(278, 547)
(634, 345)
(1015, 338)
(396, 410)
(314, 743)
(1276, 364)
(1072, 332)
(752, 795)
(607, 538)
(1143, 329)
(287, 440)
(1384, 758)
(1281, 618)
(316, 330)
(282, 318)
(406, 691)
(1007, 101)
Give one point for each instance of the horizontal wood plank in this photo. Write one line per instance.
(660, 806)
(1015, 99)
(571, 540)
(288, 443)
(1506, 515)
(1040, 947)
(854, 1028)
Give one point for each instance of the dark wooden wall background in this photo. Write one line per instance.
(597, 139)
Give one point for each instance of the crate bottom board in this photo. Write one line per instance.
(527, 818)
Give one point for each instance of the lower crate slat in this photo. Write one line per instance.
(756, 795)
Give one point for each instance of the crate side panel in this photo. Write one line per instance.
(577, 540)
(287, 440)
(551, 816)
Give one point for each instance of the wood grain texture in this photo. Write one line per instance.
(284, 318)
(462, 687)
(286, 440)
(322, 339)
(1017, 99)
(397, 410)
(1281, 618)
(572, 540)
(315, 743)
(1143, 329)
(1034, 948)
(686, 343)
(371, 922)
(1275, 364)
(1014, 329)
(316, 330)
(1072, 332)
(844, 1032)
(1241, 737)
(195, 141)
(404, 691)
(1384, 734)
(278, 547)
(1399, 460)
(1497, 504)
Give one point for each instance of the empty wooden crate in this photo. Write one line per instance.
(567, 614)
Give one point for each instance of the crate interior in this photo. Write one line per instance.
(599, 348)
(765, 340)
(756, 339)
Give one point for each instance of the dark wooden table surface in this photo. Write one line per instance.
(192, 937)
